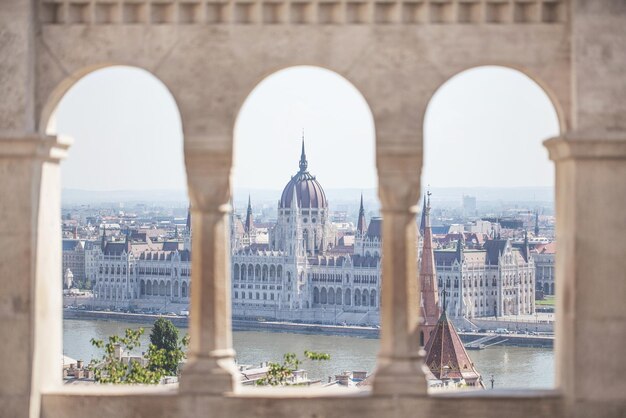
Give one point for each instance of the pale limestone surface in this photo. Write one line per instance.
(210, 55)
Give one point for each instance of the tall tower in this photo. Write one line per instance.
(249, 224)
(361, 225)
(429, 312)
(249, 231)
(187, 233)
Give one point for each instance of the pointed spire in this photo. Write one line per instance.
(188, 224)
(423, 220)
(526, 248)
(104, 236)
(428, 278)
(361, 225)
(537, 223)
(303, 162)
(249, 224)
(459, 250)
(446, 357)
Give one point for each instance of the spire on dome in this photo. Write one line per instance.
(361, 225)
(303, 162)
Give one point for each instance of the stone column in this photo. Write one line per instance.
(30, 262)
(400, 361)
(590, 268)
(210, 367)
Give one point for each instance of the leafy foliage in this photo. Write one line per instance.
(157, 363)
(168, 352)
(278, 374)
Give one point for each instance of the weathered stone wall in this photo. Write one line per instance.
(397, 54)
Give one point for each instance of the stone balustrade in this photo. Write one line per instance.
(301, 12)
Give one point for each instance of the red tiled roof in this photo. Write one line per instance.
(446, 357)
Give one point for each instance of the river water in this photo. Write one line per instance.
(511, 367)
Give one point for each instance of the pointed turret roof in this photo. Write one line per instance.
(446, 357)
(361, 225)
(303, 162)
(104, 237)
(428, 279)
(423, 220)
(249, 224)
(188, 224)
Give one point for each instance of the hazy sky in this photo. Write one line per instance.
(483, 128)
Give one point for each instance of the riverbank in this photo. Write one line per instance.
(298, 328)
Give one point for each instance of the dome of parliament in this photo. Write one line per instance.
(309, 192)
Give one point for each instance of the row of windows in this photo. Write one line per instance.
(259, 295)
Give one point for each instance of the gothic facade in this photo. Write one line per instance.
(496, 280)
(303, 272)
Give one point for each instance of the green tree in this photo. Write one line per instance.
(164, 335)
(278, 374)
(168, 350)
(158, 362)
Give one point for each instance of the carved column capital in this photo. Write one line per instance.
(399, 179)
(42, 147)
(208, 176)
(589, 144)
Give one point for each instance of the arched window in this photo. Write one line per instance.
(338, 296)
(365, 298)
(183, 290)
(316, 295)
(331, 296)
(323, 296)
(373, 301)
(357, 297)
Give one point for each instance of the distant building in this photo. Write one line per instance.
(305, 269)
(469, 205)
(497, 280)
(544, 255)
(74, 259)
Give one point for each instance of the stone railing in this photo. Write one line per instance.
(300, 12)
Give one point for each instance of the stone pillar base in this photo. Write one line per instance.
(215, 374)
(400, 377)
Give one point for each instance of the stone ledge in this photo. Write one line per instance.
(49, 148)
(597, 145)
(278, 403)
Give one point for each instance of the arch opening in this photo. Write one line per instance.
(492, 204)
(304, 152)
